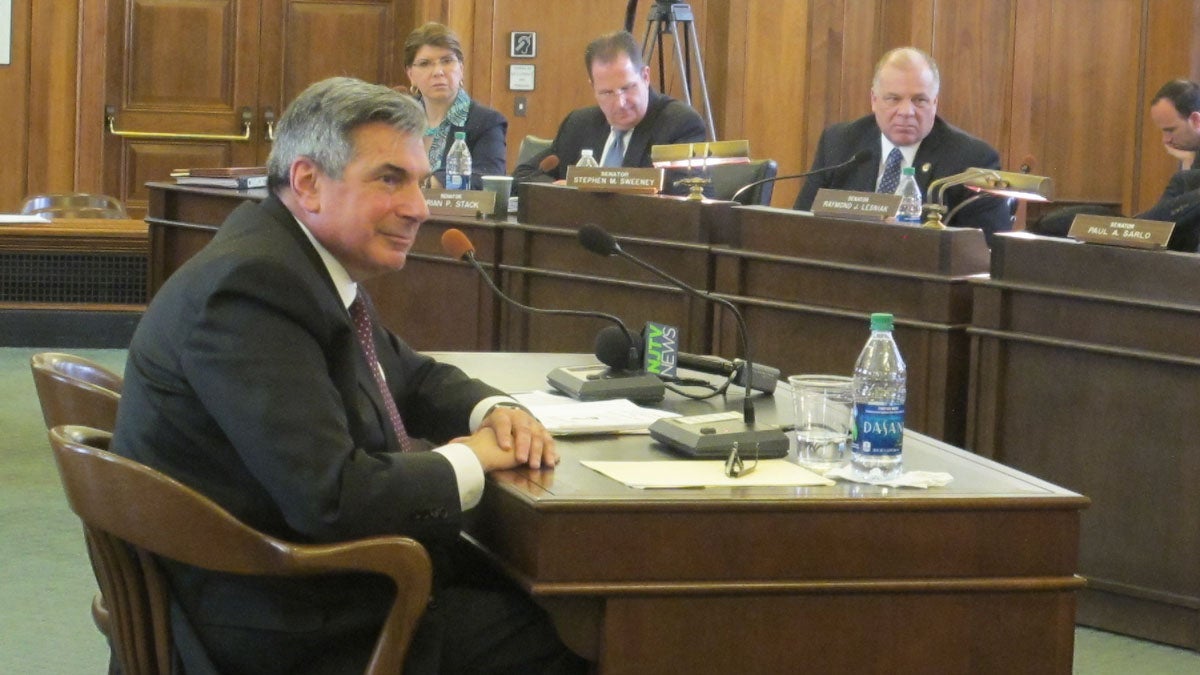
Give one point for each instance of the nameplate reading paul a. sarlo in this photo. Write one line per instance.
(1117, 231)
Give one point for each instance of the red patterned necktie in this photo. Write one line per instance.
(361, 316)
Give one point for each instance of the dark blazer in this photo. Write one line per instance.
(1183, 181)
(244, 381)
(946, 151)
(487, 132)
(1180, 204)
(667, 121)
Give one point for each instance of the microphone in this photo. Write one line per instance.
(611, 349)
(586, 383)
(707, 436)
(860, 156)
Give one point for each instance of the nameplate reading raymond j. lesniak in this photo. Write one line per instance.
(616, 179)
(470, 203)
(1117, 231)
(856, 205)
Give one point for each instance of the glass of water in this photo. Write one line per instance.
(823, 405)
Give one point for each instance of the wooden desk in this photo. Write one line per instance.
(976, 577)
(76, 263)
(807, 286)
(1085, 370)
(633, 215)
(456, 309)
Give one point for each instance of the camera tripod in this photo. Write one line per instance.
(664, 19)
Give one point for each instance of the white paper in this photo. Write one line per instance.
(562, 415)
(17, 218)
(692, 473)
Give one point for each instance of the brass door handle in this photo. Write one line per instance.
(269, 122)
(110, 114)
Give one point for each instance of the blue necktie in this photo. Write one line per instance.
(891, 172)
(616, 151)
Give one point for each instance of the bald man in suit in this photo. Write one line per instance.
(904, 124)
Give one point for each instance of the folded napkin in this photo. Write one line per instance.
(916, 479)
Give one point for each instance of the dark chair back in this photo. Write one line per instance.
(75, 390)
(727, 179)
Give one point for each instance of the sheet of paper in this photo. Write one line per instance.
(17, 218)
(563, 415)
(691, 473)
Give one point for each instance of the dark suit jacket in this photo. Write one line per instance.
(487, 132)
(1180, 204)
(244, 380)
(946, 151)
(667, 121)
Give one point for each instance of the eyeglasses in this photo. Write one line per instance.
(446, 62)
(735, 466)
(610, 95)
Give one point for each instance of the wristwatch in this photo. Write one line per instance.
(508, 404)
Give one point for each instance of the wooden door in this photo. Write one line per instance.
(304, 41)
(181, 80)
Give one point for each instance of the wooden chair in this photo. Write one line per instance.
(74, 205)
(132, 513)
(75, 390)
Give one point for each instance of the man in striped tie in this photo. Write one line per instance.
(905, 130)
(260, 376)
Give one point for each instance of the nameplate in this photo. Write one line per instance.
(856, 205)
(470, 203)
(1117, 231)
(615, 179)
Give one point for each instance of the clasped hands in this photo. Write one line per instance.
(511, 437)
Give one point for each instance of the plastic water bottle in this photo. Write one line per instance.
(458, 164)
(879, 389)
(586, 158)
(910, 197)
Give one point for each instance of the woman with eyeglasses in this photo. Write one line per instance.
(433, 60)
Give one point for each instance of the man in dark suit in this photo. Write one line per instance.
(249, 380)
(628, 119)
(905, 130)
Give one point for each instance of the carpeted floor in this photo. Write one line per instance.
(46, 583)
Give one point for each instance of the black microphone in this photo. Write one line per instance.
(586, 383)
(612, 350)
(708, 436)
(860, 156)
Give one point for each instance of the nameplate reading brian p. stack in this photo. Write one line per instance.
(856, 205)
(469, 203)
(1117, 231)
(619, 179)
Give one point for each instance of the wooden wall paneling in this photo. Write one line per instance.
(774, 104)
(15, 78)
(973, 44)
(1167, 51)
(561, 85)
(91, 137)
(52, 78)
(725, 39)
(1092, 78)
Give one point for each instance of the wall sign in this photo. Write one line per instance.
(522, 44)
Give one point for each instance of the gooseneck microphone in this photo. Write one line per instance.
(860, 156)
(705, 435)
(582, 383)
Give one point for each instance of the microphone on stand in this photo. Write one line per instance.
(712, 435)
(860, 156)
(586, 383)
